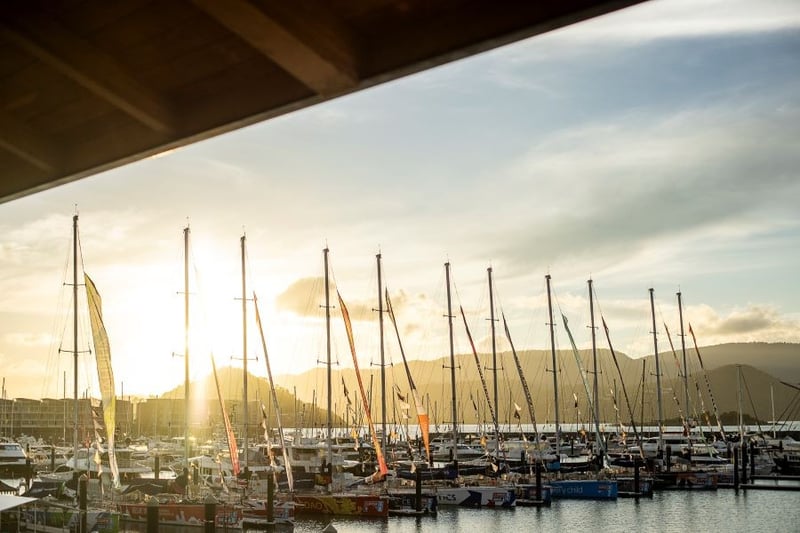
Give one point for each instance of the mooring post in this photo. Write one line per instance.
(82, 482)
(152, 515)
(418, 490)
(636, 490)
(669, 457)
(735, 453)
(538, 470)
(28, 473)
(752, 459)
(743, 447)
(210, 514)
(156, 466)
(270, 498)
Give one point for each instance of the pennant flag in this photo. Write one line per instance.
(402, 399)
(576, 399)
(400, 396)
(264, 421)
(346, 393)
(517, 409)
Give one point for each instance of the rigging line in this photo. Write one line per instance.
(752, 405)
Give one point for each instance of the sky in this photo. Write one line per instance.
(655, 147)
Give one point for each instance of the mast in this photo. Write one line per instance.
(644, 372)
(275, 403)
(186, 395)
(329, 423)
(244, 357)
(685, 367)
(772, 402)
(739, 399)
(658, 372)
(494, 353)
(452, 363)
(596, 393)
(75, 337)
(555, 364)
(383, 365)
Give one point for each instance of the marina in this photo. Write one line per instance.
(586, 317)
(666, 511)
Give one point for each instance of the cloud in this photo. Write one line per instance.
(755, 323)
(303, 297)
(28, 340)
(657, 20)
(612, 191)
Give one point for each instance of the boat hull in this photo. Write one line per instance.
(584, 489)
(342, 504)
(476, 496)
(227, 516)
(57, 519)
(687, 480)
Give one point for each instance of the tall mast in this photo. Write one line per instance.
(555, 364)
(383, 365)
(75, 336)
(739, 398)
(328, 353)
(244, 357)
(594, 360)
(186, 395)
(452, 362)
(494, 352)
(685, 367)
(772, 402)
(658, 372)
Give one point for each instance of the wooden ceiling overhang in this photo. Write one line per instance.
(89, 85)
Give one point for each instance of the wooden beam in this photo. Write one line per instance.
(17, 138)
(322, 60)
(90, 67)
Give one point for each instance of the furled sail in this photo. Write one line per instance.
(622, 381)
(525, 389)
(382, 469)
(286, 463)
(708, 383)
(422, 414)
(105, 374)
(480, 374)
(582, 372)
(229, 436)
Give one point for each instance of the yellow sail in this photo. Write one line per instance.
(382, 469)
(105, 374)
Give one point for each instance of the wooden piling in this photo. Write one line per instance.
(210, 514)
(152, 515)
(82, 482)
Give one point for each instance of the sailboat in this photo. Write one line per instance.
(53, 516)
(666, 476)
(186, 506)
(333, 499)
(474, 494)
(595, 489)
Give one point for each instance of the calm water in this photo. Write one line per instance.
(713, 511)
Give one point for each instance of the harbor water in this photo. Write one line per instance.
(723, 510)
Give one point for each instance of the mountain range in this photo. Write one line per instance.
(766, 369)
